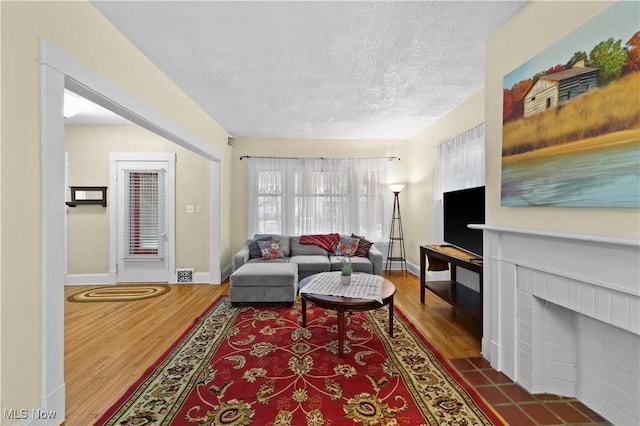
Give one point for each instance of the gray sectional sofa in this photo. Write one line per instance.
(260, 282)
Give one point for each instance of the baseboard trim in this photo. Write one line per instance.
(201, 278)
(89, 279)
(226, 273)
(411, 267)
(54, 414)
(107, 279)
(198, 277)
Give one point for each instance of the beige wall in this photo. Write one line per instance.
(82, 32)
(421, 149)
(88, 232)
(302, 148)
(515, 43)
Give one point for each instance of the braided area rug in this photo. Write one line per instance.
(119, 293)
(257, 365)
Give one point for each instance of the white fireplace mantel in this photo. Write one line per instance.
(561, 314)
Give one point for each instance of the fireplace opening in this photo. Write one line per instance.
(568, 353)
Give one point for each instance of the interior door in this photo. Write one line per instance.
(144, 240)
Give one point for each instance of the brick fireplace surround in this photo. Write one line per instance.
(562, 316)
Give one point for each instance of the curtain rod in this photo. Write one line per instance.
(326, 158)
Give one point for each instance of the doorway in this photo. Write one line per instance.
(145, 215)
(59, 70)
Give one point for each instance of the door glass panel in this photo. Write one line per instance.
(144, 205)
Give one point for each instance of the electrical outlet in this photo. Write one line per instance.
(198, 208)
(190, 208)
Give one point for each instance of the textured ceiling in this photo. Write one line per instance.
(316, 69)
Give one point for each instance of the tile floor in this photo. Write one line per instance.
(516, 405)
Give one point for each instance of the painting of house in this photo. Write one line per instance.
(557, 88)
(570, 133)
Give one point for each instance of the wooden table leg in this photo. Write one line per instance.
(304, 313)
(340, 332)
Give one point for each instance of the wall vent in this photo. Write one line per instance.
(184, 275)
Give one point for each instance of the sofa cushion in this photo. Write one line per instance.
(315, 263)
(359, 264)
(261, 275)
(285, 245)
(347, 246)
(299, 249)
(363, 246)
(259, 260)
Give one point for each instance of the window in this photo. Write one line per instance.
(269, 201)
(459, 164)
(144, 211)
(308, 195)
(319, 198)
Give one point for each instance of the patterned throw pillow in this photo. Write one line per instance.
(347, 246)
(363, 246)
(270, 249)
(254, 248)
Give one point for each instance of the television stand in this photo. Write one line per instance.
(464, 300)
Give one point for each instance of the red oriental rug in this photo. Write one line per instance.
(256, 365)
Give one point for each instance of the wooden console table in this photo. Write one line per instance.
(462, 298)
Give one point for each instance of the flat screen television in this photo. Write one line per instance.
(461, 208)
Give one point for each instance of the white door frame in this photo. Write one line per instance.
(138, 157)
(59, 70)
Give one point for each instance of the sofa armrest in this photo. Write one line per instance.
(242, 256)
(375, 256)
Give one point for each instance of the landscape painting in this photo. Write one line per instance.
(571, 118)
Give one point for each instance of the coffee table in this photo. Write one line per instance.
(347, 304)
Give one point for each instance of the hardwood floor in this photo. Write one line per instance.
(110, 345)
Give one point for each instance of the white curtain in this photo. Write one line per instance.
(296, 196)
(459, 164)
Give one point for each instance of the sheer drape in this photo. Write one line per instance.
(298, 196)
(459, 164)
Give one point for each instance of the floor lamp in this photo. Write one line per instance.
(396, 236)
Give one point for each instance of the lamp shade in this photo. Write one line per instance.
(396, 187)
